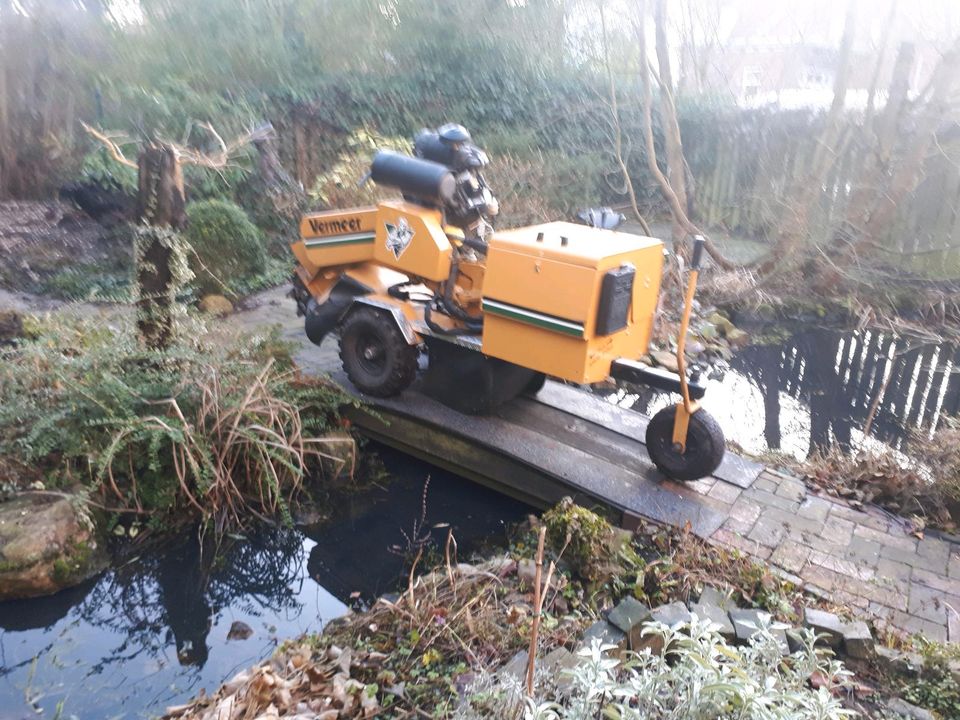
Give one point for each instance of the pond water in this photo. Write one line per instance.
(153, 632)
(819, 386)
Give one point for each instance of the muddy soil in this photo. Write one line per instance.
(54, 249)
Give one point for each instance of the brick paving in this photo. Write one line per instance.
(862, 558)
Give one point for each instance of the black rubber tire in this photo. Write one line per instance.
(536, 384)
(704, 451)
(375, 355)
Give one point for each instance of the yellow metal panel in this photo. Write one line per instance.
(543, 350)
(547, 286)
(585, 246)
(540, 311)
(411, 239)
(338, 237)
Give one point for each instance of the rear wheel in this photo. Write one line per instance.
(376, 356)
(704, 448)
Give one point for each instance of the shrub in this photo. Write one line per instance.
(696, 675)
(211, 428)
(228, 250)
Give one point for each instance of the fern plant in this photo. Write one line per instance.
(211, 428)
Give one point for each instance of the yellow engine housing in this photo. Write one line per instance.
(541, 297)
(541, 285)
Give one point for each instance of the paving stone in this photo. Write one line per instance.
(702, 486)
(953, 568)
(606, 633)
(937, 581)
(814, 508)
(892, 596)
(740, 527)
(711, 595)
(794, 522)
(914, 625)
(747, 621)
(927, 603)
(858, 641)
(770, 499)
(716, 615)
(628, 616)
(725, 492)
(837, 530)
(792, 489)
(745, 511)
(859, 517)
(671, 614)
(902, 707)
(768, 532)
(839, 565)
(765, 483)
(515, 667)
(559, 662)
(863, 550)
(790, 556)
(893, 572)
(826, 624)
(897, 540)
(822, 577)
(739, 542)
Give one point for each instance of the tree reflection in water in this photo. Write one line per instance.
(174, 596)
(817, 389)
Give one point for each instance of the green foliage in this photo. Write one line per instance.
(98, 167)
(227, 249)
(936, 688)
(202, 428)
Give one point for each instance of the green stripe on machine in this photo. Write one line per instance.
(548, 322)
(352, 239)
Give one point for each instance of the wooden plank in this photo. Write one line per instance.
(523, 457)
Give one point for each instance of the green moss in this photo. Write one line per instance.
(590, 544)
(73, 564)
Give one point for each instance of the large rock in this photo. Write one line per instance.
(216, 305)
(44, 547)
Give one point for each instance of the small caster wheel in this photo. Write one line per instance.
(376, 356)
(704, 450)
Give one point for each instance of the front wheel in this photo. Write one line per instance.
(704, 450)
(376, 356)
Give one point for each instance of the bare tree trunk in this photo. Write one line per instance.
(676, 163)
(795, 223)
(160, 206)
(677, 209)
(877, 162)
(618, 129)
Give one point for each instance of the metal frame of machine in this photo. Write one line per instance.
(496, 311)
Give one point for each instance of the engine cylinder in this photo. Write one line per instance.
(425, 180)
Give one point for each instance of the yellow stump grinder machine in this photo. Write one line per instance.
(494, 311)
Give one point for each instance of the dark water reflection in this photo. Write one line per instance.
(818, 386)
(155, 631)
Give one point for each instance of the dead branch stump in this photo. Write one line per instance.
(161, 213)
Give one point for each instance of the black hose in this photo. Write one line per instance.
(471, 329)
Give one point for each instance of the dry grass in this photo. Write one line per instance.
(234, 455)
